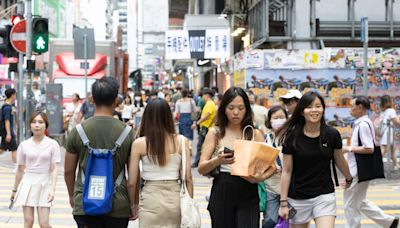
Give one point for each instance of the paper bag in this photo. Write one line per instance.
(253, 158)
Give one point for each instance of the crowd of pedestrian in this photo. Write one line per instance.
(144, 135)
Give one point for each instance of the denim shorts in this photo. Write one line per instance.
(309, 209)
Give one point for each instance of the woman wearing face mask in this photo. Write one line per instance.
(139, 104)
(277, 116)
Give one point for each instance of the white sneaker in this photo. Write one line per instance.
(396, 167)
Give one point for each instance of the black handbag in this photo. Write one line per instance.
(369, 166)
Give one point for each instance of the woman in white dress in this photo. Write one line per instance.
(35, 180)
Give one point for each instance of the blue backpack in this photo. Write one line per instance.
(98, 187)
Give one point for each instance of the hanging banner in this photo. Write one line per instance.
(197, 44)
(177, 44)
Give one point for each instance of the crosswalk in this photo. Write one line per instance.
(385, 195)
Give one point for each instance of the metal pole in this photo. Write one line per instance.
(86, 62)
(28, 79)
(365, 69)
(389, 145)
(20, 98)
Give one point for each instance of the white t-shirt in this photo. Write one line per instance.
(388, 114)
(367, 136)
(127, 112)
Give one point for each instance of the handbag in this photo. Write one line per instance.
(252, 158)
(190, 213)
(369, 166)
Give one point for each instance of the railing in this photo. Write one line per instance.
(344, 28)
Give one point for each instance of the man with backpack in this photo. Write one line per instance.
(8, 138)
(365, 163)
(100, 147)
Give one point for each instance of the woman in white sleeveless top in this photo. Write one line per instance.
(160, 152)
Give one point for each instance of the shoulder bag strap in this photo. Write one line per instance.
(372, 134)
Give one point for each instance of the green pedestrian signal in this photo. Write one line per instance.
(40, 35)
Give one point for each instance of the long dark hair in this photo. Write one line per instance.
(157, 126)
(222, 119)
(295, 125)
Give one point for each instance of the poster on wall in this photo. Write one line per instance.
(337, 86)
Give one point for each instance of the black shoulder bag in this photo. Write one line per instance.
(369, 166)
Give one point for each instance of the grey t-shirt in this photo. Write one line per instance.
(87, 109)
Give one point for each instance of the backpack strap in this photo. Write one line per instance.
(121, 138)
(118, 144)
(82, 134)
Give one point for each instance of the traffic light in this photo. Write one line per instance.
(40, 35)
(5, 45)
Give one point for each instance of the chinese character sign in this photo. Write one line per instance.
(177, 44)
(217, 43)
(197, 44)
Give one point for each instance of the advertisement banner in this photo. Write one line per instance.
(197, 44)
(177, 44)
(337, 86)
(217, 43)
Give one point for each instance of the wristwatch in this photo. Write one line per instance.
(349, 181)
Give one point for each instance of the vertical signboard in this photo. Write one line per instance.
(177, 44)
(197, 44)
(54, 108)
(217, 43)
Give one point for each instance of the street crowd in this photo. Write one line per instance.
(125, 158)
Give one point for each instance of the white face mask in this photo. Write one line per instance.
(137, 99)
(277, 123)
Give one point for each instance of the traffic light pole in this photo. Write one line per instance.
(20, 110)
(28, 108)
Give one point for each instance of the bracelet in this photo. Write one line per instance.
(283, 200)
(283, 205)
(14, 190)
(349, 181)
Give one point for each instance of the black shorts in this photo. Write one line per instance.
(87, 221)
(11, 146)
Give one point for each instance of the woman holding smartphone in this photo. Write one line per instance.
(309, 146)
(234, 200)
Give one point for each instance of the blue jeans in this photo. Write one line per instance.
(271, 210)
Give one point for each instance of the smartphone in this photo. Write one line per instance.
(228, 151)
(292, 211)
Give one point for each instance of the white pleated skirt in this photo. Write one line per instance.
(33, 191)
